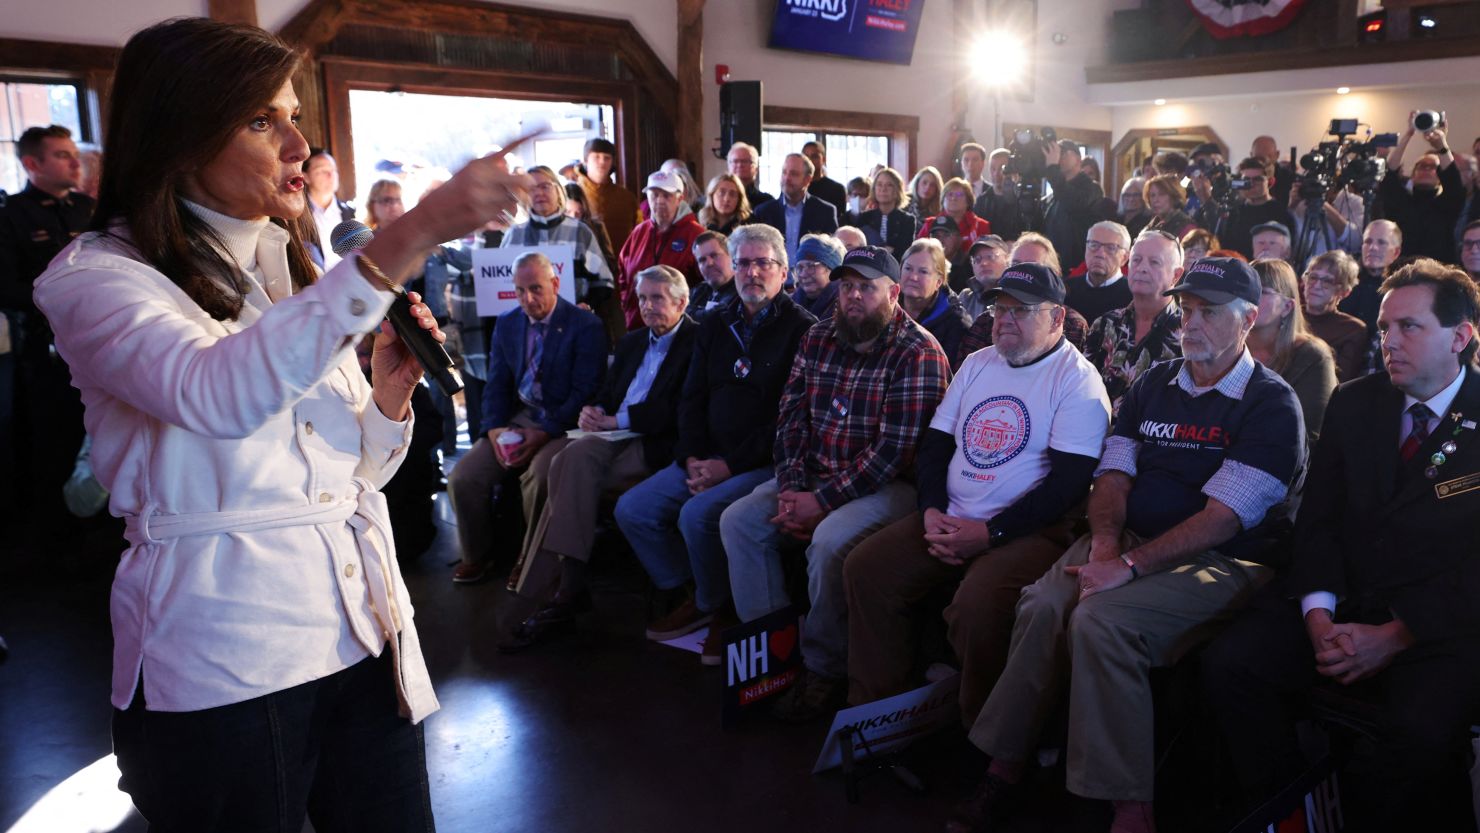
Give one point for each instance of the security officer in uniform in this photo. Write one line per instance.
(45, 412)
(1381, 599)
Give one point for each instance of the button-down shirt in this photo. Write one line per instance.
(1112, 347)
(793, 226)
(234, 424)
(642, 382)
(325, 219)
(850, 421)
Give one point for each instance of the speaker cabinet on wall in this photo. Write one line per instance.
(739, 114)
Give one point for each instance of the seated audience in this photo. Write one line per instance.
(744, 163)
(860, 198)
(1199, 464)
(1271, 240)
(1382, 243)
(1008, 453)
(712, 254)
(1125, 343)
(861, 391)
(640, 395)
(797, 213)
(888, 223)
(548, 225)
(944, 231)
(1280, 342)
(1102, 286)
(725, 205)
(1166, 199)
(1381, 597)
(1132, 211)
(925, 190)
(926, 298)
(816, 293)
(726, 431)
(988, 257)
(956, 201)
(1328, 279)
(1030, 247)
(852, 237)
(547, 360)
(1427, 205)
(1196, 244)
(667, 239)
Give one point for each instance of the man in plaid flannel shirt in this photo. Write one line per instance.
(861, 392)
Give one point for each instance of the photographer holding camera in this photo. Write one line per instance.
(1426, 206)
(1255, 206)
(1070, 210)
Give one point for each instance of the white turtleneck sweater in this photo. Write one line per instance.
(212, 436)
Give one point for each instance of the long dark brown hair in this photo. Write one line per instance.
(182, 90)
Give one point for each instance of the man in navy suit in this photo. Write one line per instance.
(547, 360)
(1381, 598)
(796, 213)
(640, 397)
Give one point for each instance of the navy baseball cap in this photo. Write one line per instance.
(1030, 283)
(872, 262)
(1219, 280)
(1272, 225)
(943, 222)
(990, 241)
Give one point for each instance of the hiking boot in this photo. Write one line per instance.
(684, 619)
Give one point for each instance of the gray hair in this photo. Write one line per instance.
(678, 285)
(538, 259)
(1158, 234)
(754, 151)
(1120, 231)
(1241, 306)
(763, 234)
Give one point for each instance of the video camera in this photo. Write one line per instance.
(1026, 154)
(1343, 162)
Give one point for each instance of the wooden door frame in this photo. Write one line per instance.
(1132, 136)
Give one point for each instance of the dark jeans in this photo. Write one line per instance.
(333, 749)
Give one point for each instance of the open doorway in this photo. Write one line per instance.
(1139, 145)
(421, 138)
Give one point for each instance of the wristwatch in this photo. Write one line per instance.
(1126, 558)
(996, 536)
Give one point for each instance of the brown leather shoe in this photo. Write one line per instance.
(468, 573)
(713, 650)
(686, 618)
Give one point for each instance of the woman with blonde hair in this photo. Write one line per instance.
(1281, 342)
(925, 191)
(725, 205)
(889, 224)
(384, 204)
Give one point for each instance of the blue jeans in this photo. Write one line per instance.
(334, 750)
(759, 581)
(676, 534)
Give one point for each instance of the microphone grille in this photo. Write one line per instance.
(349, 235)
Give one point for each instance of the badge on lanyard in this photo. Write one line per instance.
(742, 367)
(677, 245)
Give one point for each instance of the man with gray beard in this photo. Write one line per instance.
(862, 389)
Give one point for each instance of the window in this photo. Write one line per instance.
(848, 154)
(36, 102)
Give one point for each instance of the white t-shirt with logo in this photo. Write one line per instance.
(1004, 419)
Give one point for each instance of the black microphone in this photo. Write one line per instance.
(352, 234)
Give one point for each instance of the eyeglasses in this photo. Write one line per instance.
(1320, 279)
(1470, 245)
(762, 263)
(1097, 246)
(387, 200)
(809, 265)
(1162, 233)
(1015, 313)
(984, 259)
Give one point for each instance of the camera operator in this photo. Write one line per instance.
(1206, 157)
(1331, 227)
(1255, 206)
(1282, 178)
(1070, 210)
(1427, 205)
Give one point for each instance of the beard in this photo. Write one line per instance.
(864, 331)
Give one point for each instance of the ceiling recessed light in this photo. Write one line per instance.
(1160, 101)
(1343, 90)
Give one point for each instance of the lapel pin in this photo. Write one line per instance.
(1431, 472)
(1449, 447)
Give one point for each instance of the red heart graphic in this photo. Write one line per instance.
(783, 641)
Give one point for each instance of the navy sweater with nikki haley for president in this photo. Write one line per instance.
(1241, 441)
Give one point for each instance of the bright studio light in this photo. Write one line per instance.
(1160, 102)
(1343, 90)
(999, 58)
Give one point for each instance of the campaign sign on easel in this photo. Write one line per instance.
(893, 722)
(493, 275)
(762, 659)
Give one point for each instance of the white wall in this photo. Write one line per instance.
(102, 22)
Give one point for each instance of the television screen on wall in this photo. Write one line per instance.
(870, 30)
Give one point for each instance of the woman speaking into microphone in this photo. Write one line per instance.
(265, 662)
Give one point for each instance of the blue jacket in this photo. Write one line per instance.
(571, 367)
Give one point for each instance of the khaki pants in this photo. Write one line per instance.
(1111, 641)
(475, 481)
(891, 572)
(565, 525)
